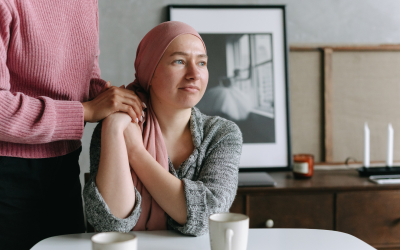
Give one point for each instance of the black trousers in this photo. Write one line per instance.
(39, 198)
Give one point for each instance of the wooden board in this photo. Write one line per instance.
(359, 84)
(292, 211)
(366, 88)
(370, 216)
(306, 107)
(328, 140)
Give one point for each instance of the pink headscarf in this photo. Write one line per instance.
(148, 54)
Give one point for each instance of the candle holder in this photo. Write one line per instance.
(368, 171)
(389, 169)
(303, 166)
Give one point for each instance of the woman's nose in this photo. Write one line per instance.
(192, 73)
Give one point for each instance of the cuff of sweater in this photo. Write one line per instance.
(69, 121)
(99, 215)
(96, 85)
(197, 215)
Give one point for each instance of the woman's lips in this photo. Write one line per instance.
(191, 89)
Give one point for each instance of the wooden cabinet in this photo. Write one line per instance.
(292, 211)
(371, 216)
(334, 200)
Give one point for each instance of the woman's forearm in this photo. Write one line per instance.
(114, 180)
(166, 189)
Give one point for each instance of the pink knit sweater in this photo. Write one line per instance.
(48, 65)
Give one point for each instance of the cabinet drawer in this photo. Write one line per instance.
(238, 205)
(372, 216)
(292, 211)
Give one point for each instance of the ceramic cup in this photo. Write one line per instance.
(228, 231)
(114, 241)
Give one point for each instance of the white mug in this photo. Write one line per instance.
(114, 241)
(228, 231)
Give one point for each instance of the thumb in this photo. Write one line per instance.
(122, 86)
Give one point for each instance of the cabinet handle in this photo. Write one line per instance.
(269, 223)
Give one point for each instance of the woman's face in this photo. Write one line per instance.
(181, 76)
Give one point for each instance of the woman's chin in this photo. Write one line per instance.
(187, 106)
(187, 103)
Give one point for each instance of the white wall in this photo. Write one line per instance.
(123, 23)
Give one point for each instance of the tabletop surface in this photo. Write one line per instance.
(271, 239)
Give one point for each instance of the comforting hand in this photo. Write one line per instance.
(113, 99)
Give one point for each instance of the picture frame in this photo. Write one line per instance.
(248, 76)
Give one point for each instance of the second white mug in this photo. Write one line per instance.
(228, 231)
(114, 241)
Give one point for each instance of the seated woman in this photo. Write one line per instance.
(175, 166)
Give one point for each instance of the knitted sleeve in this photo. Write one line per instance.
(28, 120)
(214, 190)
(96, 83)
(97, 211)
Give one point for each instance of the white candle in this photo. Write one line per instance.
(389, 158)
(366, 145)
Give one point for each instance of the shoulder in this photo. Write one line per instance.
(216, 128)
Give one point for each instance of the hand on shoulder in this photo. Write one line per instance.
(111, 100)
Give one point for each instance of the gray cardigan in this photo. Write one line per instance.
(210, 177)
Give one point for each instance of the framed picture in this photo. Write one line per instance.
(248, 76)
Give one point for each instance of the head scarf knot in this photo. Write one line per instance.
(148, 54)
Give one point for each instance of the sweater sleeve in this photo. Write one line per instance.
(96, 83)
(215, 188)
(28, 120)
(97, 211)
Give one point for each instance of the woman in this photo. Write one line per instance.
(184, 165)
(49, 86)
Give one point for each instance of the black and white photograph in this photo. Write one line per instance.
(241, 83)
(248, 83)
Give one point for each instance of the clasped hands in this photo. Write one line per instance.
(122, 111)
(113, 99)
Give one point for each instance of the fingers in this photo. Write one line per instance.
(135, 106)
(128, 109)
(130, 94)
(129, 98)
(121, 99)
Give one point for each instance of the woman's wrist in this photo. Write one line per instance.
(134, 145)
(136, 154)
(87, 112)
(112, 126)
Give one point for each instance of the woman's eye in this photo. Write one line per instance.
(179, 61)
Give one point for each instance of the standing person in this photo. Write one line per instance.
(49, 86)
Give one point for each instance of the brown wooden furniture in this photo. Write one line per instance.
(332, 199)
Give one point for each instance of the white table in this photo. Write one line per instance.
(265, 239)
